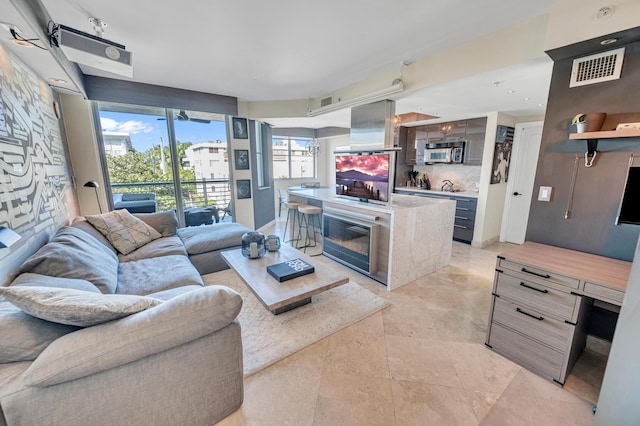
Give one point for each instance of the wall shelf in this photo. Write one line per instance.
(607, 134)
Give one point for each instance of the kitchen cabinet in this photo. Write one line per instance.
(416, 141)
(541, 304)
(474, 149)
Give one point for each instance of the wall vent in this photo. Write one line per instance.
(326, 101)
(597, 68)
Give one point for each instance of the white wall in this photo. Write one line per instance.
(618, 402)
(83, 151)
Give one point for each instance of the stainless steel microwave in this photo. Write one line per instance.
(443, 155)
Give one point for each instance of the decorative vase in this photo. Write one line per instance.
(253, 245)
(595, 121)
(272, 243)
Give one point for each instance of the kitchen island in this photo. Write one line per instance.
(408, 238)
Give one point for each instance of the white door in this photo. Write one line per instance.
(522, 173)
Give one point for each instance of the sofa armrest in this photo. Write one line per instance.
(91, 350)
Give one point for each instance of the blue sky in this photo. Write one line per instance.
(146, 130)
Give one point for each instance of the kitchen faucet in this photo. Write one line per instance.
(447, 184)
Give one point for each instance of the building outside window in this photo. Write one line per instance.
(291, 158)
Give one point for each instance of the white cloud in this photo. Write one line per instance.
(130, 126)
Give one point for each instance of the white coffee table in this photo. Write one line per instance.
(279, 297)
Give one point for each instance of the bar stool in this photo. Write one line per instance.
(310, 215)
(291, 207)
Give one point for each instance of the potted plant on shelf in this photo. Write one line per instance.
(580, 121)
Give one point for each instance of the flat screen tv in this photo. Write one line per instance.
(630, 205)
(363, 176)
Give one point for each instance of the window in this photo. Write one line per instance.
(291, 158)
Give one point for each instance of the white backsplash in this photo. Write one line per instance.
(464, 178)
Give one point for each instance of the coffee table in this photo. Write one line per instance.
(279, 297)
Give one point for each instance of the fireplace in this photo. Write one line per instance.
(350, 242)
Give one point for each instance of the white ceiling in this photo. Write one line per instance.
(297, 49)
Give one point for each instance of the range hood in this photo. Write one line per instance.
(372, 126)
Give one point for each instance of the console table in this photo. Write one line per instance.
(541, 304)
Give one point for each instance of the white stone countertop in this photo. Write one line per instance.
(431, 191)
(398, 201)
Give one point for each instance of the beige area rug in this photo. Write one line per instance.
(268, 338)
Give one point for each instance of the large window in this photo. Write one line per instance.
(153, 164)
(292, 159)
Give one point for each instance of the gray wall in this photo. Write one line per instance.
(598, 189)
(263, 206)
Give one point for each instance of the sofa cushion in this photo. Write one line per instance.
(175, 322)
(23, 337)
(123, 230)
(75, 307)
(29, 279)
(173, 292)
(206, 238)
(166, 223)
(82, 223)
(72, 253)
(155, 274)
(166, 246)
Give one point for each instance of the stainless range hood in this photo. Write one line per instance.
(372, 126)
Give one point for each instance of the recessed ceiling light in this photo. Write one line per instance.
(511, 92)
(540, 104)
(526, 99)
(605, 12)
(496, 83)
(608, 41)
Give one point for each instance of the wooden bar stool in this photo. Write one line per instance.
(311, 216)
(291, 207)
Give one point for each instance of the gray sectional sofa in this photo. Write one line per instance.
(178, 361)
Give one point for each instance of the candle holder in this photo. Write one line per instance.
(253, 245)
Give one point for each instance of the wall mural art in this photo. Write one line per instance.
(35, 192)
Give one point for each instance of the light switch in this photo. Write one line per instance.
(545, 193)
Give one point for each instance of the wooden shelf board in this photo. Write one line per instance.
(607, 134)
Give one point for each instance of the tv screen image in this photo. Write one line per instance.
(365, 176)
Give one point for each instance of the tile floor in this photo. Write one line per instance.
(420, 361)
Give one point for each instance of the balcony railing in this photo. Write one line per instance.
(201, 193)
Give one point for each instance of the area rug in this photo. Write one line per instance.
(268, 338)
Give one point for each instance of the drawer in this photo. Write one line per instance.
(463, 232)
(465, 221)
(539, 275)
(547, 300)
(527, 352)
(601, 292)
(552, 332)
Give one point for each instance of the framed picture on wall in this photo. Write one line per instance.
(241, 159)
(243, 187)
(240, 130)
(502, 154)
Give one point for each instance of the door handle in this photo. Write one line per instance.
(517, 193)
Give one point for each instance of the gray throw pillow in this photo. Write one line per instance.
(75, 307)
(166, 223)
(29, 279)
(124, 231)
(72, 253)
(24, 337)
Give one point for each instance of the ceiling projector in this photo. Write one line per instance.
(93, 51)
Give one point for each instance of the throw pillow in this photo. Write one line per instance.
(75, 307)
(124, 231)
(165, 223)
(72, 253)
(29, 279)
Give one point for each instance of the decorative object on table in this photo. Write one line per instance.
(290, 269)
(272, 243)
(253, 245)
(240, 130)
(502, 154)
(244, 188)
(93, 184)
(424, 182)
(241, 159)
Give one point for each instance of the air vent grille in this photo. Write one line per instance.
(326, 101)
(597, 68)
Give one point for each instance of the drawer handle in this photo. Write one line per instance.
(463, 209)
(529, 315)
(461, 217)
(533, 288)
(547, 276)
(460, 226)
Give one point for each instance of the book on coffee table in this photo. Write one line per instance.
(290, 269)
